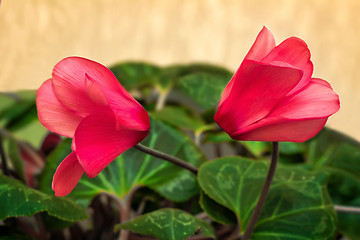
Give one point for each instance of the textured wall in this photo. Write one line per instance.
(36, 34)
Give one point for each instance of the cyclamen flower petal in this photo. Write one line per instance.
(83, 100)
(254, 99)
(294, 53)
(264, 43)
(67, 175)
(282, 130)
(315, 100)
(272, 96)
(99, 139)
(52, 114)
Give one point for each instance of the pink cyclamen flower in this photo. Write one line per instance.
(272, 96)
(83, 100)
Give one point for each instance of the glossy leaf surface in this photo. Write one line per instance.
(135, 168)
(19, 200)
(168, 224)
(339, 155)
(202, 88)
(296, 198)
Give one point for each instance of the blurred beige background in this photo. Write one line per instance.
(36, 34)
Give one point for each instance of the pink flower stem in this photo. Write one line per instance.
(167, 157)
(347, 209)
(265, 190)
(3, 158)
(125, 212)
(124, 207)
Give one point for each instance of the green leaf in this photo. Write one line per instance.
(168, 224)
(216, 211)
(134, 168)
(296, 198)
(133, 75)
(339, 156)
(218, 137)
(203, 88)
(172, 74)
(292, 153)
(257, 148)
(290, 148)
(183, 70)
(53, 223)
(179, 117)
(19, 200)
(349, 224)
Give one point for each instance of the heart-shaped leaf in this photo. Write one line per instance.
(19, 200)
(339, 155)
(296, 198)
(168, 224)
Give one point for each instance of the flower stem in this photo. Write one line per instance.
(167, 157)
(257, 210)
(3, 158)
(347, 209)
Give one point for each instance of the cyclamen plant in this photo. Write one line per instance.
(153, 171)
